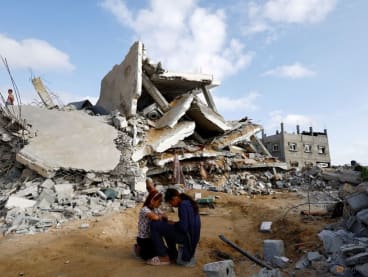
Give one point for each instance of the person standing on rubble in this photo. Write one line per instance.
(150, 211)
(185, 232)
(10, 99)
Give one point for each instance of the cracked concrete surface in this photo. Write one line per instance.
(69, 140)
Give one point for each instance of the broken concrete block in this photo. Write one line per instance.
(362, 269)
(64, 193)
(43, 204)
(264, 272)
(272, 248)
(357, 201)
(19, 202)
(28, 192)
(360, 258)
(314, 256)
(223, 268)
(362, 216)
(345, 176)
(280, 262)
(6, 137)
(119, 122)
(348, 250)
(266, 226)
(48, 183)
(331, 241)
(302, 263)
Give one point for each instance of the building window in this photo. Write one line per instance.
(321, 149)
(275, 147)
(292, 147)
(307, 148)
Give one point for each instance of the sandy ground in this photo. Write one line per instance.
(105, 248)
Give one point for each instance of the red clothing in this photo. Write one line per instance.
(10, 99)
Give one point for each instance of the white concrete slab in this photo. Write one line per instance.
(122, 86)
(177, 110)
(206, 118)
(19, 202)
(237, 135)
(159, 140)
(69, 140)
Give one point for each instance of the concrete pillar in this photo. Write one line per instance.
(298, 129)
(209, 98)
(282, 127)
(155, 93)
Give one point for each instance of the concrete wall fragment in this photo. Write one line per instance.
(122, 86)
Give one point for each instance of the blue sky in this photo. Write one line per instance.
(297, 61)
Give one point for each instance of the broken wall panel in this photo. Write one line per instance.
(122, 86)
(159, 140)
(42, 92)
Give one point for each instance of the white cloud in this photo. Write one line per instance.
(263, 17)
(33, 53)
(293, 71)
(245, 103)
(184, 36)
(290, 121)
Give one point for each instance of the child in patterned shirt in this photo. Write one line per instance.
(150, 211)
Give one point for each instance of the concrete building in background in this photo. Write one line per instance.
(299, 149)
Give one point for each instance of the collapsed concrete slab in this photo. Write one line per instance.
(237, 135)
(206, 119)
(68, 140)
(161, 140)
(177, 83)
(166, 158)
(177, 110)
(122, 86)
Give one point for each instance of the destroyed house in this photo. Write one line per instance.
(157, 117)
(301, 149)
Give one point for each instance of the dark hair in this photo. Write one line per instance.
(151, 196)
(171, 193)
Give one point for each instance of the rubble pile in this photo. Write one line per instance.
(345, 244)
(79, 160)
(62, 162)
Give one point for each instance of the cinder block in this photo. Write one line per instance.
(220, 269)
(272, 248)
